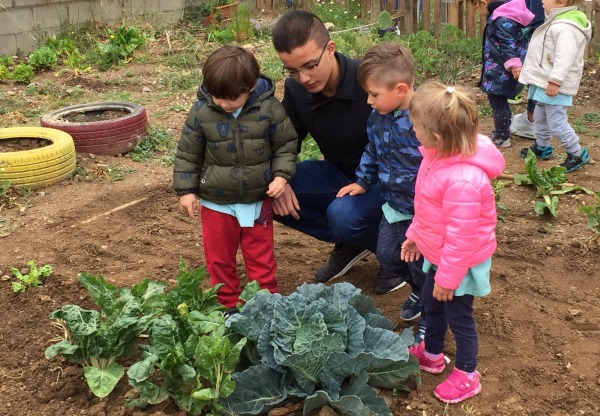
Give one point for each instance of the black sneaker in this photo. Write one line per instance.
(541, 152)
(420, 335)
(386, 282)
(342, 258)
(411, 309)
(573, 162)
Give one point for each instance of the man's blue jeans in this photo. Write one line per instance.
(351, 219)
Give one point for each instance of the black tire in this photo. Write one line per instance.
(106, 137)
(39, 167)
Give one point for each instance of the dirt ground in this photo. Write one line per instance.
(539, 328)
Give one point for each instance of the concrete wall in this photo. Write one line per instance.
(22, 20)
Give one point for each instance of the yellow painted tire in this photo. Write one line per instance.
(40, 167)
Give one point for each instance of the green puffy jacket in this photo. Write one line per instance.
(224, 159)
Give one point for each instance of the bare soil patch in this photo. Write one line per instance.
(539, 328)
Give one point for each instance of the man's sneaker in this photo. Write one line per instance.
(342, 258)
(517, 99)
(419, 336)
(458, 387)
(521, 126)
(411, 308)
(426, 363)
(501, 142)
(573, 162)
(386, 282)
(541, 152)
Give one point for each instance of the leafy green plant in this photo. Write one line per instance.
(43, 58)
(593, 218)
(309, 150)
(95, 340)
(344, 14)
(384, 20)
(32, 278)
(4, 73)
(6, 60)
(22, 73)
(498, 186)
(121, 44)
(189, 357)
(241, 24)
(328, 345)
(545, 182)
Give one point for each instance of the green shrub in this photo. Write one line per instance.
(22, 73)
(121, 44)
(4, 74)
(43, 58)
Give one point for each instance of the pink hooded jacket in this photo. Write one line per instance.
(455, 210)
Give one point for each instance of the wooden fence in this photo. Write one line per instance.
(432, 14)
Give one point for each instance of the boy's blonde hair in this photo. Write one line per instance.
(451, 113)
(387, 63)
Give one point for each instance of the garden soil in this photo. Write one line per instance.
(539, 329)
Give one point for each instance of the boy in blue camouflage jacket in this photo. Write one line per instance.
(391, 157)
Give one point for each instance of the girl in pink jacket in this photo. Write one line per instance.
(453, 229)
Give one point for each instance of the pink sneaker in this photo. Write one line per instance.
(458, 387)
(426, 363)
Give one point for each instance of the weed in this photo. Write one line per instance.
(157, 140)
(121, 44)
(343, 14)
(4, 73)
(32, 278)
(6, 60)
(498, 186)
(181, 80)
(587, 122)
(185, 60)
(117, 96)
(101, 173)
(593, 219)
(485, 110)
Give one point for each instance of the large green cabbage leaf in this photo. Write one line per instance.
(327, 342)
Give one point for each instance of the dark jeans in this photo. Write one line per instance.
(391, 237)
(351, 219)
(456, 314)
(502, 115)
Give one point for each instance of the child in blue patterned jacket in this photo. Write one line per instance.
(503, 51)
(391, 157)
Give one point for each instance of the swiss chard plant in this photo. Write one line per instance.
(31, 278)
(188, 352)
(327, 345)
(96, 339)
(548, 183)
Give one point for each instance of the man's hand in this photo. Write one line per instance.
(276, 187)
(287, 204)
(352, 189)
(552, 89)
(188, 204)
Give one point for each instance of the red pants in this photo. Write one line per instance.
(222, 236)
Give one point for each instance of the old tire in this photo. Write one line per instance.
(40, 167)
(104, 137)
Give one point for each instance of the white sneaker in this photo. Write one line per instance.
(521, 126)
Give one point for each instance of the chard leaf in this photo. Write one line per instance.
(357, 399)
(205, 394)
(103, 381)
(165, 335)
(233, 357)
(549, 205)
(102, 293)
(141, 370)
(227, 386)
(63, 347)
(80, 322)
(206, 323)
(150, 393)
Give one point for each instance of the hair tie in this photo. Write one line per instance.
(450, 90)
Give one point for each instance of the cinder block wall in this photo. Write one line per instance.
(20, 20)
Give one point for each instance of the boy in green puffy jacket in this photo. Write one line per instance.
(237, 151)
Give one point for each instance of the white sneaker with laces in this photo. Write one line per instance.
(521, 126)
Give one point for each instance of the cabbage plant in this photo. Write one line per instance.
(328, 345)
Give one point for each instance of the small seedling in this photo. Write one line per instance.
(31, 279)
(593, 217)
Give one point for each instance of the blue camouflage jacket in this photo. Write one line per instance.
(391, 157)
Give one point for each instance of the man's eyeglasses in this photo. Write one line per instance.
(294, 73)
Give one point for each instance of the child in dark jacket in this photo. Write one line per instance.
(503, 51)
(391, 159)
(237, 151)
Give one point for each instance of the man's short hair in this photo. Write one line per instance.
(295, 28)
